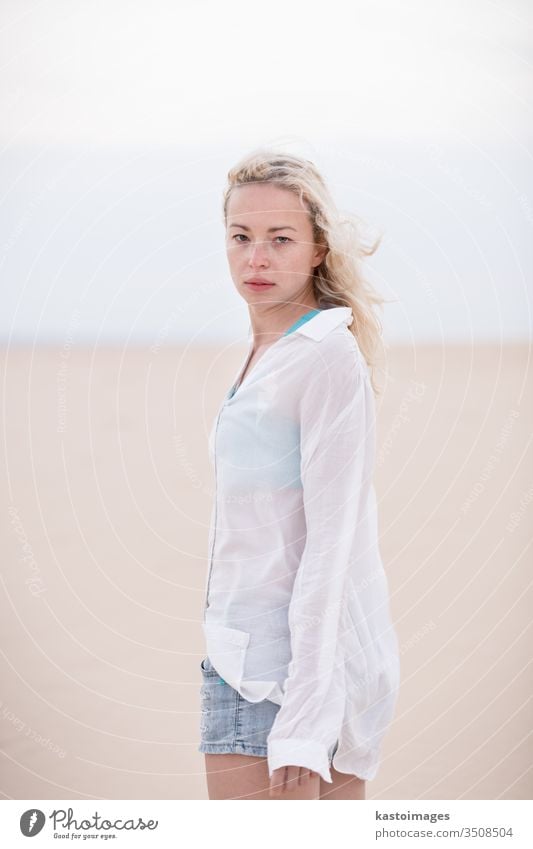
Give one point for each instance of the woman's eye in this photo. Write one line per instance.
(238, 236)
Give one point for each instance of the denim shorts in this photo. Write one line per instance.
(230, 723)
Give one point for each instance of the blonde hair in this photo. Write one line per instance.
(338, 280)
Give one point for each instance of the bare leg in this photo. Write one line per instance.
(344, 786)
(234, 776)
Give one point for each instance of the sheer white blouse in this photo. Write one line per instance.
(296, 600)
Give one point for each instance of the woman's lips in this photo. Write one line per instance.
(259, 286)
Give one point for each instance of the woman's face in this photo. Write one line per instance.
(269, 236)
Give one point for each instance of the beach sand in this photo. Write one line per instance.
(105, 505)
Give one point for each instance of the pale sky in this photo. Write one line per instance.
(121, 118)
(115, 70)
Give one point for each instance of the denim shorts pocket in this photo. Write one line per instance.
(207, 668)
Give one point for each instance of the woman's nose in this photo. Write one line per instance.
(258, 253)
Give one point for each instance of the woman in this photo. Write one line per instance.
(302, 669)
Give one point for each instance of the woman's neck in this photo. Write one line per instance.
(268, 327)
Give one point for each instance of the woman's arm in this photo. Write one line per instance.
(337, 456)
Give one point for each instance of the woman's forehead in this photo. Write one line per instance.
(260, 202)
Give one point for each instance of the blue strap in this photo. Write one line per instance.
(303, 318)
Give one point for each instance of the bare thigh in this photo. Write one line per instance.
(235, 776)
(343, 787)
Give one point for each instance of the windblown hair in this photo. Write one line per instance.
(339, 279)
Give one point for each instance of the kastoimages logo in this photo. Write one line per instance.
(31, 822)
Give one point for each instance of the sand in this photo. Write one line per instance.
(106, 497)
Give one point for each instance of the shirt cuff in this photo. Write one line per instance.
(298, 752)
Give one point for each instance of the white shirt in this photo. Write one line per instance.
(297, 605)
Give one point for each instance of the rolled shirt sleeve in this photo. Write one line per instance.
(337, 453)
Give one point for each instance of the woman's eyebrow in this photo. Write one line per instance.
(270, 229)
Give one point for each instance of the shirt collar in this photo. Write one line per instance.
(327, 320)
(321, 324)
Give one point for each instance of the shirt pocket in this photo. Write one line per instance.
(226, 649)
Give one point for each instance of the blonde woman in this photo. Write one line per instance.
(301, 673)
